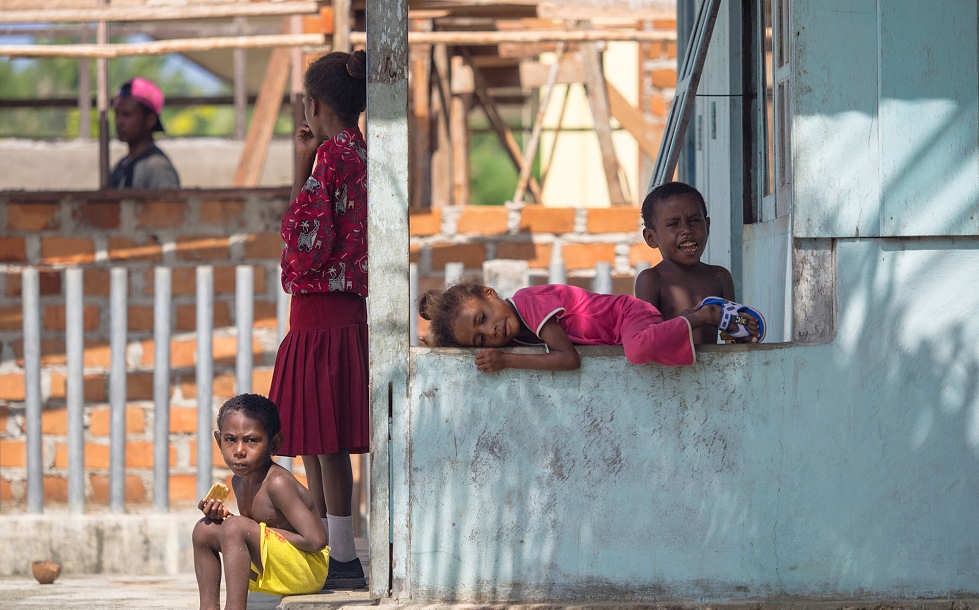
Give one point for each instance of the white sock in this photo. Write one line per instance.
(341, 535)
(326, 528)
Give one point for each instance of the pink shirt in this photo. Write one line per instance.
(325, 228)
(588, 318)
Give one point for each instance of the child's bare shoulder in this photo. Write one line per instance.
(718, 271)
(280, 480)
(647, 285)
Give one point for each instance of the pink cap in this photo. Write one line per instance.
(147, 93)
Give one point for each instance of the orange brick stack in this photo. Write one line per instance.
(52, 231)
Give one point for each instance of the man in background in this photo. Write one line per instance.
(137, 114)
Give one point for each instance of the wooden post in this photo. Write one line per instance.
(84, 93)
(557, 133)
(341, 25)
(240, 88)
(296, 79)
(459, 134)
(530, 152)
(632, 120)
(102, 83)
(442, 153)
(598, 101)
(419, 162)
(260, 130)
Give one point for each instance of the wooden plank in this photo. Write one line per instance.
(545, 172)
(159, 13)
(102, 84)
(160, 47)
(459, 136)
(262, 125)
(180, 45)
(530, 152)
(442, 153)
(534, 74)
(420, 164)
(598, 102)
(341, 25)
(645, 132)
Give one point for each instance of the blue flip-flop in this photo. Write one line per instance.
(732, 317)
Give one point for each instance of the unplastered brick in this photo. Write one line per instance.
(204, 248)
(12, 386)
(643, 253)
(76, 250)
(13, 250)
(101, 419)
(425, 223)
(538, 256)
(613, 220)
(143, 249)
(584, 256)
(470, 255)
(32, 216)
(482, 220)
(221, 212)
(54, 317)
(13, 453)
(135, 489)
(49, 283)
(542, 219)
(97, 215)
(161, 214)
(264, 245)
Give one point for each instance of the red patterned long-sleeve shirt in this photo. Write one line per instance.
(325, 228)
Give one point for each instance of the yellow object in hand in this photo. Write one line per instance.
(218, 491)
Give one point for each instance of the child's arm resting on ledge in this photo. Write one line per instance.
(562, 356)
(309, 535)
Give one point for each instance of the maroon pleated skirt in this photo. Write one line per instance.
(320, 382)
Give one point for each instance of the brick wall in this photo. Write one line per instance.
(184, 229)
(98, 231)
(472, 234)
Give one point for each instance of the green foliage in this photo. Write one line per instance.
(492, 176)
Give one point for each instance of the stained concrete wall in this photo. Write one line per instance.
(835, 470)
(132, 544)
(200, 162)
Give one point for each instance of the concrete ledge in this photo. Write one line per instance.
(307, 602)
(138, 544)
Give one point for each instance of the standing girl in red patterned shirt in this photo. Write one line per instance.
(320, 379)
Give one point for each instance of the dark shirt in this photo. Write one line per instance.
(150, 169)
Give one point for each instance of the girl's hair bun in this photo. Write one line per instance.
(357, 65)
(429, 303)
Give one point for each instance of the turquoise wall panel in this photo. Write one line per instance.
(846, 469)
(835, 189)
(929, 117)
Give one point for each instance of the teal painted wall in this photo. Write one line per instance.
(885, 132)
(843, 469)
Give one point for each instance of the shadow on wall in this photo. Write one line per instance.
(843, 469)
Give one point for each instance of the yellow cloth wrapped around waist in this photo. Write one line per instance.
(285, 569)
